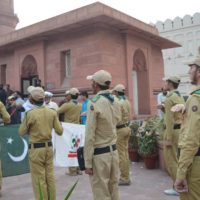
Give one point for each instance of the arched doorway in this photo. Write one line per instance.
(29, 74)
(140, 84)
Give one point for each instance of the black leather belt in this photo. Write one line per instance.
(122, 126)
(197, 154)
(40, 145)
(107, 149)
(176, 126)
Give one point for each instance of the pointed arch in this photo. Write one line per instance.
(29, 67)
(140, 83)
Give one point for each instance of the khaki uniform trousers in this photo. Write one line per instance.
(41, 167)
(193, 179)
(123, 135)
(170, 155)
(104, 180)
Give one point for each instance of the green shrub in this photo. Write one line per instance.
(147, 135)
(133, 140)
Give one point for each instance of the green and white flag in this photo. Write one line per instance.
(13, 151)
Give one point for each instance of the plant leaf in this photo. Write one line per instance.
(40, 191)
(71, 190)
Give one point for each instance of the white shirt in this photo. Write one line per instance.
(53, 105)
(160, 101)
(27, 106)
(161, 98)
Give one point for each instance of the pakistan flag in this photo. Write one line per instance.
(13, 151)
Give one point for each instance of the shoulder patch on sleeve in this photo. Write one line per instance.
(95, 99)
(91, 107)
(194, 108)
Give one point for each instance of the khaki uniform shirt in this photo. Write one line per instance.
(71, 111)
(102, 118)
(190, 142)
(4, 114)
(39, 122)
(172, 118)
(125, 111)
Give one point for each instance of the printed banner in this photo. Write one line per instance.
(65, 146)
(14, 149)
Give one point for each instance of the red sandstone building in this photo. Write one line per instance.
(63, 50)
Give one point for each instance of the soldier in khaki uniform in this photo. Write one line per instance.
(188, 173)
(72, 112)
(101, 156)
(123, 134)
(38, 124)
(5, 119)
(173, 121)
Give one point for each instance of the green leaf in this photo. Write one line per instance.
(40, 191)
(50, 196)
(71, 190)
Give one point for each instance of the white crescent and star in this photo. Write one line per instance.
(24, 153)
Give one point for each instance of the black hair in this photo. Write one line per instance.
(105, 87)
(19, 93)
(74, 97)
(197, 66)
(175, 85)
(120, 93)
(84, 93)
(38, 103)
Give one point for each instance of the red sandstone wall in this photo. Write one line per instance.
(155, 70)
(91, 50)
(8, 59)
(14, 63)
(156, 74)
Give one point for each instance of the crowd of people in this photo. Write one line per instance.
(108, 112)
(107, 116)
(17, 106)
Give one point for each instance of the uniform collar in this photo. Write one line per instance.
(74, 101)
(171, 92)
(196, 88)
(40, 106)
(104, 92)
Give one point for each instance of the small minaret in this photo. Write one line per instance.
(8, 20)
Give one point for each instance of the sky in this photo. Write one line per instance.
(149, 11)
